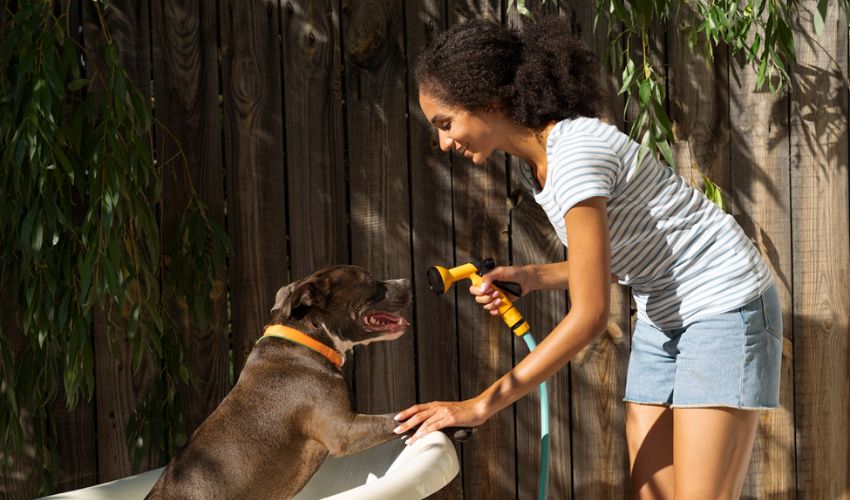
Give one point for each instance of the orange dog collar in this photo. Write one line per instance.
(294, 335)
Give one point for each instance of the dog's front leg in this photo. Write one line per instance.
(361, 433)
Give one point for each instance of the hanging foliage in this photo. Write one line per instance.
(80, 235)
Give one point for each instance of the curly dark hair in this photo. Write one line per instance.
(537, 76)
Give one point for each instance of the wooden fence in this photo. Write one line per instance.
(302, 129)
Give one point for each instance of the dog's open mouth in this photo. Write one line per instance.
(384, 322)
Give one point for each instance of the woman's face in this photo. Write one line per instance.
(474, 135)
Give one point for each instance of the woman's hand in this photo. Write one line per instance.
(488, 296)
(439, 415)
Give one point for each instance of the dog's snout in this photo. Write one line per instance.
(404, 283)
(398, 290)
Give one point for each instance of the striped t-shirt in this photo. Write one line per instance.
(683, 257)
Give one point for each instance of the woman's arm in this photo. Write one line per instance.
(553, 276)
(589, 271)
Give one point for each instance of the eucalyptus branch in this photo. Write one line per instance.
(79, 232)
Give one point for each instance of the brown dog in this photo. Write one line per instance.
(290, 406)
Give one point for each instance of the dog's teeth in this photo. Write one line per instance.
(399, 321)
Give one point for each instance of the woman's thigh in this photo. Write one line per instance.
(711, 450)
(649, 434)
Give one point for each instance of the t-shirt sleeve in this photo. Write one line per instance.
(582, 167)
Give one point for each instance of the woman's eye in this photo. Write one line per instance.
(446, 126)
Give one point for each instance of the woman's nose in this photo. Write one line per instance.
(446, 142)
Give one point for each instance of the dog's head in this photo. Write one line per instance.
(347, 303)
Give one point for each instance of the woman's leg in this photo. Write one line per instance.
(649, 434)
(711, 450)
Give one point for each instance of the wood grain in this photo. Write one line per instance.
(313, 103)
(760, 199)
(380, 207)
(185, 76)
(21, 477)
(819, 224)
(118, 387)
(76, 430)
(432, 225)
(253, 138)
(485, 347)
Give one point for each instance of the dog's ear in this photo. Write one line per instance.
(294, 299)
(280, 299)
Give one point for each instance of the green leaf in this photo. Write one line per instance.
(644, 89)
(762, 73)
(37, 237)
(628, 76)
(644, 148)
(664, 147)
(77, 84)
(713, 193)
(26, 227)
(819, 16)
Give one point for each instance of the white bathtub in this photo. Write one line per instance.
(391, 471)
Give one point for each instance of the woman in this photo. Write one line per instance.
(707, 346)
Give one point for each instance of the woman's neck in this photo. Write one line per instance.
(530, 146)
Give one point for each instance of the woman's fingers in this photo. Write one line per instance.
(405, 414)
(438, 415)
(434, 423)
(487, 297)
(412, 417)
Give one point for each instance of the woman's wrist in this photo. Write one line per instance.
(483, 407)
(532, 273)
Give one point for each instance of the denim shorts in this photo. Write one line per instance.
(731, 360)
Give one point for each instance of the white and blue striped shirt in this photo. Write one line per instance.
(684, 258)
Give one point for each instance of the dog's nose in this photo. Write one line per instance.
(398, 290)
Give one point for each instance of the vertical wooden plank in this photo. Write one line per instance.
(760, 199)
(380, 219)
(533, 241)
(76, 441)
(21, 477)
(435, 322)
(253, 138)
(485, 347)
(598, 373)
(819, 197)
(185, 79)
(313, 98)
(118, 390)
(76, 430)
(698, 93)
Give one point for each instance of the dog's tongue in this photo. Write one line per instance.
(379, 321)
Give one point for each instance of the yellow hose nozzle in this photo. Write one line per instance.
(441, 279)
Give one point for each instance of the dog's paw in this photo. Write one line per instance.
(459, 434)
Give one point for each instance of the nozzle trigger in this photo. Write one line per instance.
(488, 265)
(510, 287)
